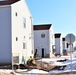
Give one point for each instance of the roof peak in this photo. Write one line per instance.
(42, 27)
(7, 2)
(43, 24)
(57, 35)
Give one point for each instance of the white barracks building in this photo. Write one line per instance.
(16, 32)
(58, 44)
(44, 40)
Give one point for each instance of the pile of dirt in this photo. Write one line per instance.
(44, 66)
(4, 73)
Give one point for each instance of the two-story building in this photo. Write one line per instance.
(58, 44)
(16, 31)
(44, 40)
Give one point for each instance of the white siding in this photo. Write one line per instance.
(61, 46)
(40, 43)
(19, 31)
(57, 45)
(51, 39)
(5, 34)
(13, 33)
(64, 45)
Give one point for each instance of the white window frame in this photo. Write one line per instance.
(24, 45)
(24, 22)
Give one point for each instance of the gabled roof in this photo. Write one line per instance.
(57, 35)
(42, 27)
(63, 39)
(8, 2)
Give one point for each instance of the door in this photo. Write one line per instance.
(42, 52)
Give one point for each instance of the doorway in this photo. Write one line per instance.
(42, 52)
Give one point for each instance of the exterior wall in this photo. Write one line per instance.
(64, 45)
(70, 48)
(61, 46)
(40, 43)
(51, 40)
(74, 46)
(58, 45)
(22, 34)
(5, 35)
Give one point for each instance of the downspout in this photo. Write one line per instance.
(32, 36)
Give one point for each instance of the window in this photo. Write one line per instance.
(43, 35)
(32, 52)
(24, 45)
(24, 37)
(67, 45)
(16, 38)
(24, 22)
(16, 14)
(23, 59)
(52, 36)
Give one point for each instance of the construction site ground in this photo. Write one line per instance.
(40, 65)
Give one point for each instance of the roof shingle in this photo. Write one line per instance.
(57, 35)
(8, 2)
(63, 39)
(42, 27)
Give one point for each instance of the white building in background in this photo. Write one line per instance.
(74, 46)
(64, 43)
(16, 31)
(44, 40)
(58, 44)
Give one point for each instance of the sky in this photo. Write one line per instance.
(60, 13)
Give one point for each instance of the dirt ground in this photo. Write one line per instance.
(40, 65)
(7, 74)
(44, 66)
(66, 73)
(63, 73)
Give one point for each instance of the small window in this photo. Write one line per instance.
(67, 45)
(24, 45)
(43, 35)
(16, 38)
(52, 36)
(32, 52)
(16, 14)
(24, 22)
(24, 37)
(24, 25)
